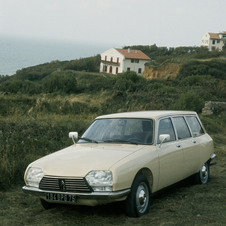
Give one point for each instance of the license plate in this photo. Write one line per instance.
(61, 197)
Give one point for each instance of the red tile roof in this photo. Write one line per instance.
(133, 54)
(214, 36)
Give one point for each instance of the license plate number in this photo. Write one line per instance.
(61, 197)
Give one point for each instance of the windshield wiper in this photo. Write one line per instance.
(89, 140)
(119, 141)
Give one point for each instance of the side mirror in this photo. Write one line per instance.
(73, 136)
(164, 138)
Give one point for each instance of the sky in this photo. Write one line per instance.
(168, 23)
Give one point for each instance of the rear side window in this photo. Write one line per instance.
(195, 126)
(166, 127)
(181, 128)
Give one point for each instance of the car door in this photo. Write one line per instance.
(199, 137)
(170, 155)
(188, 146)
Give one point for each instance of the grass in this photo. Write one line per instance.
(35, 125)
(182, 204)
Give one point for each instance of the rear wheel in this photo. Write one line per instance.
(138, 201)
(203, 175)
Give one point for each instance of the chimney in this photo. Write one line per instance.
(128, 50)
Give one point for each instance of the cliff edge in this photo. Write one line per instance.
(166, 70)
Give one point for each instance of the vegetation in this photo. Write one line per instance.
(178, 54)
(40, 105)
(215, 68)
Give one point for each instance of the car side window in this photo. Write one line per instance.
(195, 126)
(181, 127)
(166, 127)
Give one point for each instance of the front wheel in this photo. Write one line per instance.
(138, 201)
(203, 175)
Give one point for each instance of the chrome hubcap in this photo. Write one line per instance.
(142, 197)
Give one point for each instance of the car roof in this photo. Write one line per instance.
(147, 114)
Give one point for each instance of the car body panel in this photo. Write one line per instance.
(79, 159)
(162, 163)
(126, 169)
(170, 163)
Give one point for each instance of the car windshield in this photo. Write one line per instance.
(119, 130)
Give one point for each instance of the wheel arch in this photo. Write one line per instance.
(148, 174)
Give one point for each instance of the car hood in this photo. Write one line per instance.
(78, 160)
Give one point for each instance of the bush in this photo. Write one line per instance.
(3, 78)
(63, 82)
(189, 101)
(215, 68)
(129, 82)
(19, 86)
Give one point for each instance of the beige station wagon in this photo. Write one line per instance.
(124, 157)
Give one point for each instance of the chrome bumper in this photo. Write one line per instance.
(94, 195)
(211, 159)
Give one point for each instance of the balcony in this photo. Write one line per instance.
(110, 63)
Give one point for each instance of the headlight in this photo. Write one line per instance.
(100, 180)
(34, 176)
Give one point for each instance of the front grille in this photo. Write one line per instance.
(65, 184)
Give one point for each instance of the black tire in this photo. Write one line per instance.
(47, 205)
(202, 176)
(138, 201)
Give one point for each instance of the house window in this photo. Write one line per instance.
(111, 59)
(132, 60)
(213, 42)
(218, 41)
(136, 61)
(128, 68)
(117, 59)
(106, 67)
(116, 70)
(110, 70)
(139, 71)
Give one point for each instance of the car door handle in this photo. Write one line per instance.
(194, 141)
(178, 145)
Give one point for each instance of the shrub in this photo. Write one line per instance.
(64, 82)
(3, 78)
(19, 86)
(129, 81)
(215, 68)
(189, 101)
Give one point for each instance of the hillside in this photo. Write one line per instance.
(40, 105)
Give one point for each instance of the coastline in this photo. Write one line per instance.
(18, 53)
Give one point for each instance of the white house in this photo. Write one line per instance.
(116, 61)
(214, 40)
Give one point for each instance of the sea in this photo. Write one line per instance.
(18, 53)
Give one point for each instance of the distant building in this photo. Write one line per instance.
(116, 61)
(214, 41)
